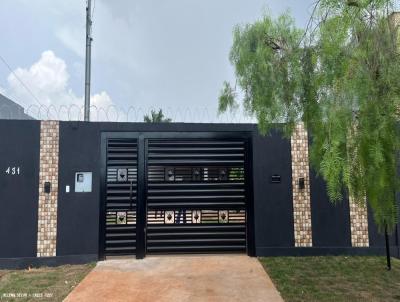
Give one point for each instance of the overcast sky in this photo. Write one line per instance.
(171, 54)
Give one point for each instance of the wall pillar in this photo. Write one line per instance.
(47, 214)
(301, 196)
(358, 224)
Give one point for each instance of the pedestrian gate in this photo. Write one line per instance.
(179, 193)
(121, 197)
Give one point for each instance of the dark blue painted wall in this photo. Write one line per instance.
(330, 222)
(376, 238)
(273, 206)
(19, 147)
(78, 213)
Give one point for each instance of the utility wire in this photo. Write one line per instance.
(20, 81)
(316, 4)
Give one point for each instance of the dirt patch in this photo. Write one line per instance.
(186, 278)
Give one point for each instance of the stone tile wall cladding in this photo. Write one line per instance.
(301, 197)
(358, 224)
(47, 220)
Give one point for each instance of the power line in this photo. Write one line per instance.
(20, 81)
(310, 20)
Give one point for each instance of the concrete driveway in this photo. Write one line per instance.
(173, 278)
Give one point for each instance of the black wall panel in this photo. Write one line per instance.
(273, 207)
(330, 222)
(377, 239)
(19, 147)
(78, 213)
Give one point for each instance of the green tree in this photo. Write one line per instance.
(340, 77)
(156, 117)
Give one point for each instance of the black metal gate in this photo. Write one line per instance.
(196, 196)
(175, 193)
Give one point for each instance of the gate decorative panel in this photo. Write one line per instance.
(121, 197)
(196, 199)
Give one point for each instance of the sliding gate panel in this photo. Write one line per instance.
(121, 196)
(196, 195)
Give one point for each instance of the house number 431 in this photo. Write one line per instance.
(13, 171)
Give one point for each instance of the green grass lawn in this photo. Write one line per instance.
(334, 278)
(42, 284)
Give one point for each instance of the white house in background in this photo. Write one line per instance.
(11, 110)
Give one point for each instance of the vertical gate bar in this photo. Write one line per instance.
(141, 202)
(250, 225)
(145, 186)
(103, 176)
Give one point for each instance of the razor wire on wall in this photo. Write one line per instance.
(118, 114)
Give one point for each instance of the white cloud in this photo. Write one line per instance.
(73, 38)
(101, 100)
(47, 79)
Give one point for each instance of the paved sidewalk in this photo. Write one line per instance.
(172, 278)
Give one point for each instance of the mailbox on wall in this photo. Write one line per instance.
(83, 182)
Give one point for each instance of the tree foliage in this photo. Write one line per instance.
(156, 117)
(340, 77)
